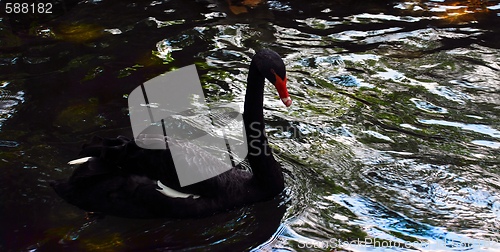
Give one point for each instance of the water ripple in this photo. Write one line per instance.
(393, 133)
(479, 128)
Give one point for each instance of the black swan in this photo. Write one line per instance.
(116, 177)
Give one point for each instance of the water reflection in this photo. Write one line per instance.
(393, 134)
(238, 230)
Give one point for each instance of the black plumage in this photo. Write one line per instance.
(121, 178)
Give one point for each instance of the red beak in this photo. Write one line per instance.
(282, 91)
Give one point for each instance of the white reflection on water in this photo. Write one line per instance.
(495, 7)
(427, 106)
(8, 101)
(479, 128)
(491, 144)
(382, 16)
(353, 35)
(433, 87)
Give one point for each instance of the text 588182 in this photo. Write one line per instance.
(25, 8)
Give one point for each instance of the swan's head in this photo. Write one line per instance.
(272, 67)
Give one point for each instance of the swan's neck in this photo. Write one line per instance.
(265, 169)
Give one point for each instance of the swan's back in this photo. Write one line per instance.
(119, 180)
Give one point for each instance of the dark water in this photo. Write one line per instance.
(393, 136)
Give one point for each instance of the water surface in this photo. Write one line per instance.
(393, 135)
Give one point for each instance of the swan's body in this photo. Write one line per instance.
(115, 176)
